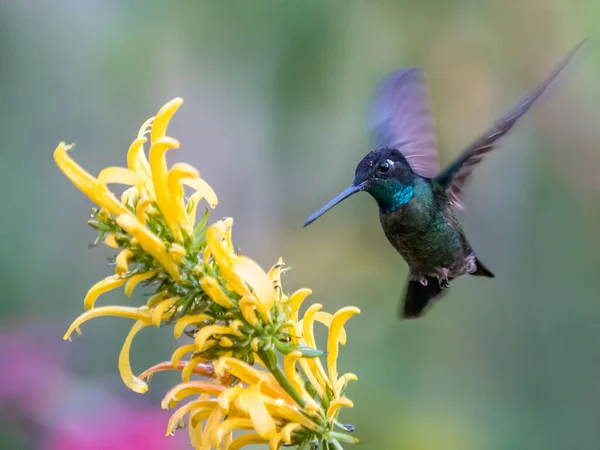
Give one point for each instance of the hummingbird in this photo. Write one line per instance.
(417, 201)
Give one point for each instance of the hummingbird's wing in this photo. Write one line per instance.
(454, 178)
(400, 118)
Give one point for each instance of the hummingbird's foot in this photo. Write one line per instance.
(442, 276)
(420, 278)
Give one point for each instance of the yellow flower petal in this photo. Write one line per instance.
(262, 420)
(205, 332)
(177, 417)
(286, 432)
(253, 275)
(309, 338)
(159, 310)
(339, 319)
(191, 207)
(136, 279)
(227, 398)
(290, 414)
(178, 172)
(136, 159)
(183, 322)
(344, 379)
(211, 425)
(289, 368)
(195, 427)
(246, 439)
(158, 166)
(119, 175)
(85, 182)
(130, 380)
(150, 243)
(214, 291)
(296, 300)
(326, 318)
(204, 189)
(186, 373)
(178, 354)
(247, 307)
(223, 256)
(118, 311)
(122, 262)
(183, 390)
(141, 208)
(229, 425)
(111, 240)
(156, 299)
(335, 406)
(101, 287)
(162, 119)
(129, 195)
(239, 369)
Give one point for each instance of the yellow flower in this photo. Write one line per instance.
(236, 313)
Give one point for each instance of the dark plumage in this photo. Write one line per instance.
(416, 201)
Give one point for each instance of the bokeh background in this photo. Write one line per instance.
(274, 117)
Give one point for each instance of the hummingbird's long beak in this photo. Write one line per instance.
(350, 190)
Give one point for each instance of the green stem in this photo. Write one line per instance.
(269, 358)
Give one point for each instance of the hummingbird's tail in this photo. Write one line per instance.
(418, 297)
(481, 270)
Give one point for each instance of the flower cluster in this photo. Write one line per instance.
(238, 315)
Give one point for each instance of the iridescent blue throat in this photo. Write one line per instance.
(392, 195)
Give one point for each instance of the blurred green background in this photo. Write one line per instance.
(274, 118)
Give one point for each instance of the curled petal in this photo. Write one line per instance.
(174, 177)
(177, 417)
(190, 320)
(247, 439)
(289, 368)
(227, 426)
(339, 319)
(159, 310)
(156, 299)
(214, 291)
(289, 413)
(203, 188)
(205, 370)
(119, 175)
(183, 322)
(344, 379)
(101, 287)
(204, 333)
(335, 406)
(183, 390)
(227, 398)
(326, 318)
(130, 380)
(85, 182)
(158, 166)
(239, 369)
(286, 432)
(178, 354)
(122, 262)
(248, 307)
(253, 275)
(296, 300)
(111, 240)
(211, 425)
(162, 119)
(136, 279)
(142, 206)
(261, 419)
(187, 372)
(118, 311)
(150, 243)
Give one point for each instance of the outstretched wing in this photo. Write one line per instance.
(400, 118)
(454, 178)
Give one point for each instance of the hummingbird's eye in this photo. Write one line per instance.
(384, 167)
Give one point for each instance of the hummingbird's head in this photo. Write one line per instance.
(385, 174)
